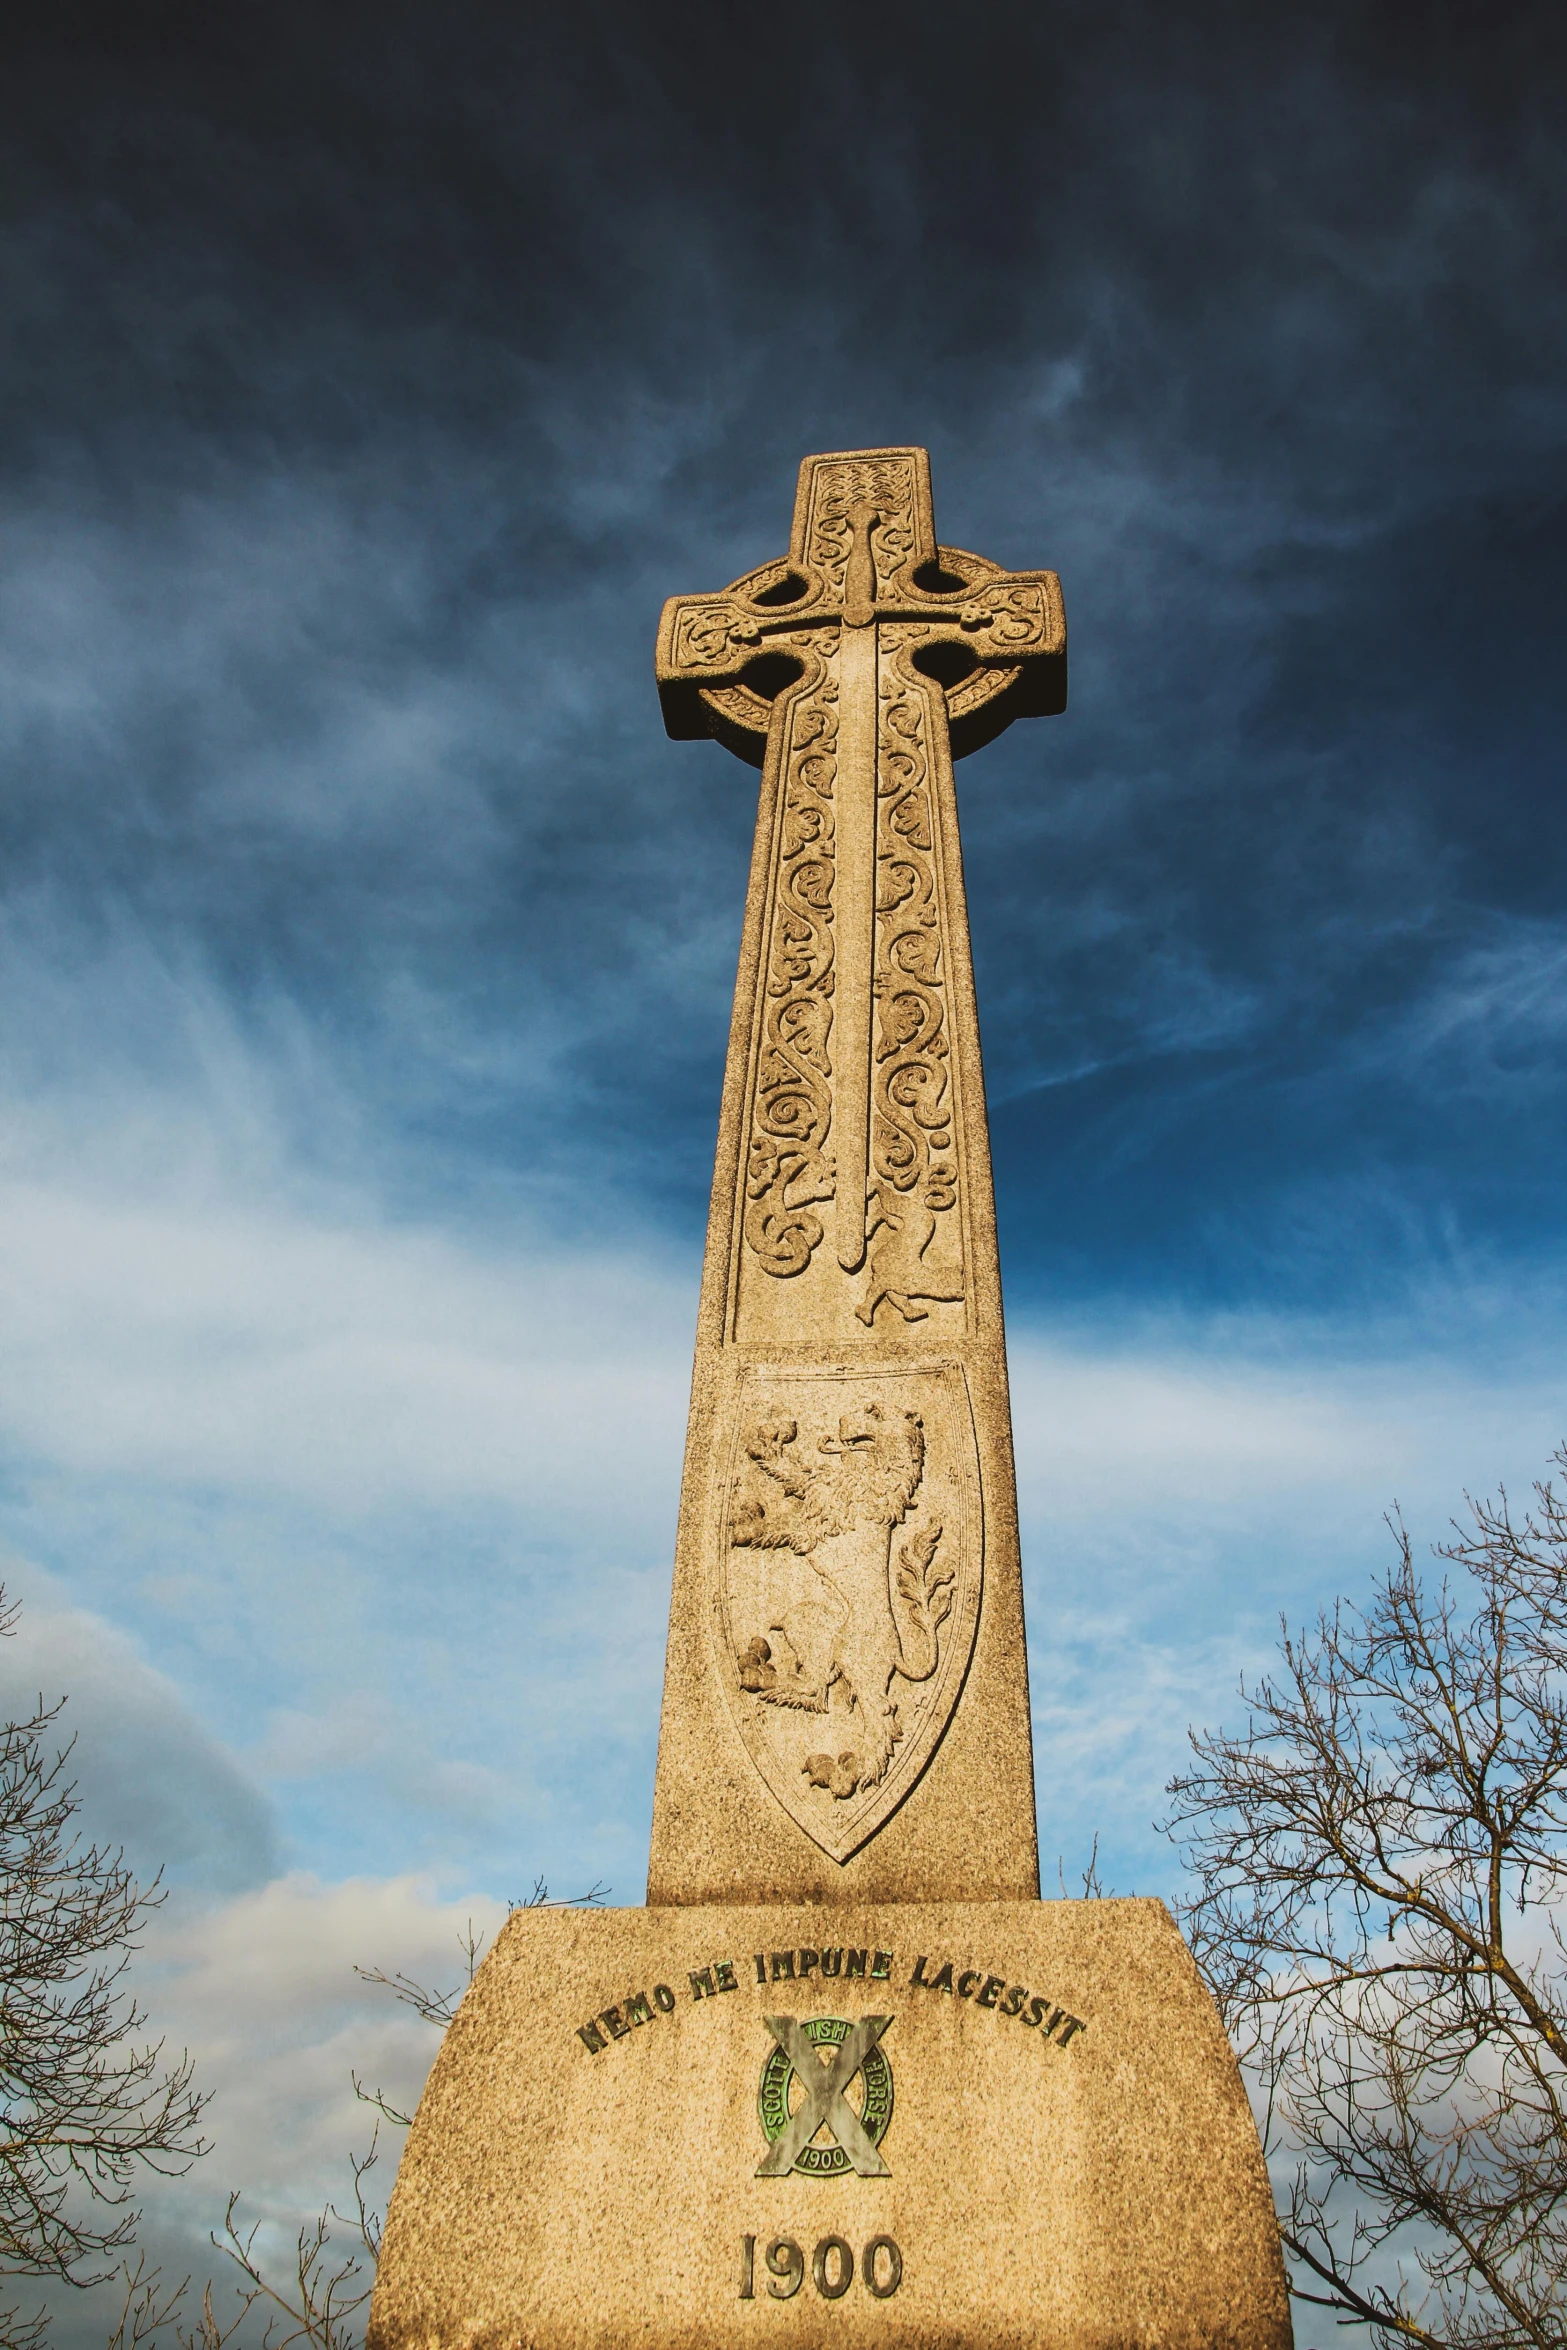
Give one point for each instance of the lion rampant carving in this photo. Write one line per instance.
(838, 1510)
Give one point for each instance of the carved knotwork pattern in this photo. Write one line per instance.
(1006, 618)
(888, 484)
(913, 1260)
(713, 636)
(787, 1174)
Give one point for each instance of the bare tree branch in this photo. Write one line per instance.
(1381, 1868)
(439, 2007)
(84, 2104)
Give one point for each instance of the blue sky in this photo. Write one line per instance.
(366, 950)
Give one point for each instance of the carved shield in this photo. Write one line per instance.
(847, 1556)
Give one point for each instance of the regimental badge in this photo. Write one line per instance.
(824, 2135)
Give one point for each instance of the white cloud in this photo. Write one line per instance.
(1251, 1412)
(1495, 1016)
(311, 1356)
(1181, 1487)
(149, 1777)
(262, 1992)
(197, 1292)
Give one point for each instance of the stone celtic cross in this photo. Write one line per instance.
(845, 2074)
(849, 1491)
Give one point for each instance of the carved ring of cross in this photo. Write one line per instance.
(996, 642)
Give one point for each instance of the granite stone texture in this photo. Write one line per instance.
(845, 2078)
(838, 1589)
(1082, 2171)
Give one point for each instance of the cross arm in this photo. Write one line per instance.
(720, 665)
(706, 646)
(997, 645)
(994, 640)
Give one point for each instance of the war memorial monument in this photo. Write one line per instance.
(846, 2079)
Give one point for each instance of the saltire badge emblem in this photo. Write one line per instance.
(825, 2054)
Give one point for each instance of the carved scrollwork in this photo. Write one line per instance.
(1007, 619)
(787, 1173)
(889, 485)
(711, 636)
(912, 1262)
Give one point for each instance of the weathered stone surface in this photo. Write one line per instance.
(1092, 2178)
(987, 2119)
(834, 1593)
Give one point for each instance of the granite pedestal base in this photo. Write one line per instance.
(1047, 2142)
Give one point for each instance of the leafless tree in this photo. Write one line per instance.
(438, 2007)
(85, 2105)
(1380, 1865)
(320, 2302)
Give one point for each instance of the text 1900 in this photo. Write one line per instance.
(832, 2268)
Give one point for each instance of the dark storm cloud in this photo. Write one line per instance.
(374, 374)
